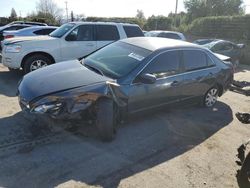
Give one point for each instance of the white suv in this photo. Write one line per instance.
(70, 41)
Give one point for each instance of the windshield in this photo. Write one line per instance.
(62, 30)
(117, 60)
(209, 45)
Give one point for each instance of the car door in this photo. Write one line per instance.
(199, 73)
(167, 87)
(78, 43)
(106, 34)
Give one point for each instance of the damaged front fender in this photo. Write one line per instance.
(77, 100)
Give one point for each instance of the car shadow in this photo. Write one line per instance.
(9, 81)
(143, 142)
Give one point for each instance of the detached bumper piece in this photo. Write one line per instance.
(238, 87)
(243, 175)
(243, 117)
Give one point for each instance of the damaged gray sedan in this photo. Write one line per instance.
(123, 78)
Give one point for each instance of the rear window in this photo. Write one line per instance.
(43, 31)
(133, 31)
(170, 36)
(107, 33)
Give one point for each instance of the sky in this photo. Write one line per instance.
(102, 8)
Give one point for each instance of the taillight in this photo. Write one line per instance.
(8, 36)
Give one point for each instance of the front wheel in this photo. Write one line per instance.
(35, 62)
(105, 119)
(210, 97)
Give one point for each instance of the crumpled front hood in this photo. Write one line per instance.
(56, 78)
(23, 39)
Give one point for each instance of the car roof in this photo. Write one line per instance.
(6, 26)
(104, 23)
(37, 27)
(155, 43)
(27, 22)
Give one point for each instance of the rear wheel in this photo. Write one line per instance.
(106, 120)
(210, 97)
(36, 62)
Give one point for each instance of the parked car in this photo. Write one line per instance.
(30, 31)
(70, 41)
(204, 41)
(126, 77)
(11, 28)
(166, 34)
(226, 48)
(27, 22)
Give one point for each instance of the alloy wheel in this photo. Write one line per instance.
(37, 65)
(211, 97)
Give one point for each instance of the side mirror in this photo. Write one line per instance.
(147, 78)
(70, 38)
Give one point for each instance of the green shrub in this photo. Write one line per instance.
(234, 27)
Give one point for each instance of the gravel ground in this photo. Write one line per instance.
(177, 147)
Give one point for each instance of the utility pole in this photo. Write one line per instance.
(175, 16)
(66, 3)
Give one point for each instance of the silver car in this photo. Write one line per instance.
(166, 34)
(30, 31)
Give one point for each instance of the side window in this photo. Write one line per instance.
(210, 62)
(107, 33)
(194, 59)
(38, 32)
(81, 33)
(10, 28)
(21, 27)
(133, 31)
(48, 31)
(166, 64)
(43, 31)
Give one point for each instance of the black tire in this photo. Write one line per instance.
(27, 67)
(210, 98)
(105, 120)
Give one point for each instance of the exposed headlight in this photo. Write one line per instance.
(47, 107)
(14, 48)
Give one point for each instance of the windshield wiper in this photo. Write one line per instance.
(94, 69)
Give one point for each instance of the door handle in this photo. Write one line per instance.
(175, 83)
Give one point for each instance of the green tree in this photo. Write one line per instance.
(204, 8)
(13, 15)
(158, 23)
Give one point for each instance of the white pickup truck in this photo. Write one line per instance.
(71, 41)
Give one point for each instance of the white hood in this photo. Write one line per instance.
(22, 39)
